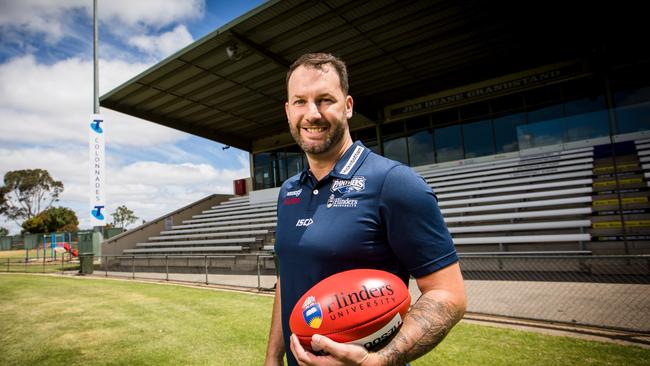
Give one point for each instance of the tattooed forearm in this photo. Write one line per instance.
(426, 325)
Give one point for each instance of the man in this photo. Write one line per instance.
(355, 209)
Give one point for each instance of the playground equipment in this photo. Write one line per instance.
(58, 245)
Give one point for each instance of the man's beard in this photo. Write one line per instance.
(334, 136)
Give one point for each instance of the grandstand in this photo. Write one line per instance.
(566, 202)
(533, 145)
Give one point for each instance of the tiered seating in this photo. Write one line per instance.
(234, 226)
(565, 202)
(529, 202)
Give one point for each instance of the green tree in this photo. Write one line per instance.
(123, 217)
(4, 231)
(26, 193)
(54, 219)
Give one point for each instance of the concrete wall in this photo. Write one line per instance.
(264, 195)
(128, 239)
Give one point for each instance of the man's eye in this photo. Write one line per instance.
(298, 102)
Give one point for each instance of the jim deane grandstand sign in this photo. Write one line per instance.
(97, 130)
(507, 84)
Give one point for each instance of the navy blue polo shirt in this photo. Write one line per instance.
(369, 212)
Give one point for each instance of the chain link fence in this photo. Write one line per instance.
(604, 291)
(63, 264)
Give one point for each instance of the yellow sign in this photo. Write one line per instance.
(607, 183)
(627, 200)
(618, 224)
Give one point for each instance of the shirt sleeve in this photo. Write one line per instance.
(414, 225)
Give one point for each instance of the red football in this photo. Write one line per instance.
(360, 306)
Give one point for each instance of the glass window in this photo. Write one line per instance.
(505, 132)
(279, 171)
(586, 118)
(545, 113)
(394, 142)
(420, 147)
(395, 148)
(261, 159)
(295, 163)
(448, 143)
(478, 139)
(262, 177)
(633, 110)
(261, 169)
(543, 133)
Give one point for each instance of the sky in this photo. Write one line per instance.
(46, 100)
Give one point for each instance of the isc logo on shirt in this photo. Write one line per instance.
(304, 222)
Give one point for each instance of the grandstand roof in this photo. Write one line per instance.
(395, 50)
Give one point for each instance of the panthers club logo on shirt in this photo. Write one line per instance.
(355, 184)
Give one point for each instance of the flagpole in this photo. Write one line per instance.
(95, 63)
(97, 139)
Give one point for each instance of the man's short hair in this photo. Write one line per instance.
(317, 61)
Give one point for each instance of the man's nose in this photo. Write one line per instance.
(313, 114)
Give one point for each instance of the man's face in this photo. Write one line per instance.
(317, 109)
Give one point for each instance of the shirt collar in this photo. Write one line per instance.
(347, 165)
(350, 161)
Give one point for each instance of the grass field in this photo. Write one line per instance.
(53, 320)
(20, 253)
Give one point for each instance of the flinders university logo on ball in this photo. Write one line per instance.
(312, 313)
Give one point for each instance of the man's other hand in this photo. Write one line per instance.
(335, 354)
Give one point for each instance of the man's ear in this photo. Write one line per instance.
(286, 111)
(349, 103)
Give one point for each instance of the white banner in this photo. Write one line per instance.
(97, 131)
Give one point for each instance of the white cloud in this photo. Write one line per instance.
(45, 107)
(44, 112)
(36, 97)
(164, 44)
(39, 16)
(154, 12)
(150, 189)
(53, 18)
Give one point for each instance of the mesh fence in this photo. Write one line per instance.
(62, 264)
(611, 292)
(604, 291)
